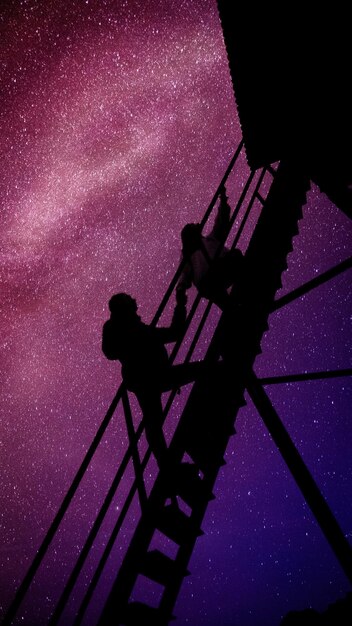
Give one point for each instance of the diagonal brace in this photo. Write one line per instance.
(302, 476)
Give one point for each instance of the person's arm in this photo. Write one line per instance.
(222, 220)
(175, 330)
(185, 280)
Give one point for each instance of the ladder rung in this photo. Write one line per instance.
(176, 525)
(260, 197)
(205, 455)
(206, 447)
(160, 568)
(190, 487)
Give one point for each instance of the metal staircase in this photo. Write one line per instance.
(208, 418)
(204, 428)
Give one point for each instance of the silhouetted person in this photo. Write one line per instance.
(145, 364)
(209, 264)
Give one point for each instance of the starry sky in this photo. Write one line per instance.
(117, 123)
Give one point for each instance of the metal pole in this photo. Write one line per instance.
(302, 476)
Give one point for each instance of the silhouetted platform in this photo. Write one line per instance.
(290, 70)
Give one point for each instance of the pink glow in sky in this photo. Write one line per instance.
(117, 123)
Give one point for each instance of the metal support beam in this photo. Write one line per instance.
(312, 284)
(135, 453)
(293, 378)
(302, 476)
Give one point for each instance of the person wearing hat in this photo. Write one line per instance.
(208, 264)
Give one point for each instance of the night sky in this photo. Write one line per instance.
(117, 123)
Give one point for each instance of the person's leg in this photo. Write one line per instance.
(230, 267)
(222, 274)
(150, 403)
(213, 285)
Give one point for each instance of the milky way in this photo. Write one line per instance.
(117, 123)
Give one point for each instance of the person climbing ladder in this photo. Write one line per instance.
(208, 263)
(146, 369)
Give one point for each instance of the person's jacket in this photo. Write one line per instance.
(197, 266)
(141, 348)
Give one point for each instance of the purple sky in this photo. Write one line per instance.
(117, 123)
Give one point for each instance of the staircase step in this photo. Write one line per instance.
(205, 455)
(160, 568)
(192, 489)
(176, 525)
